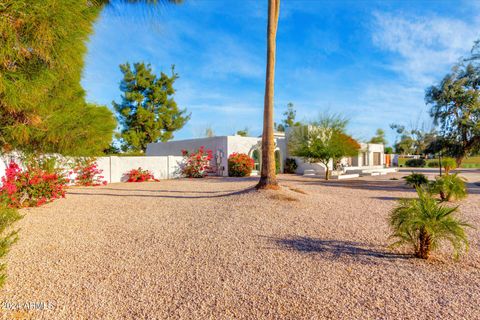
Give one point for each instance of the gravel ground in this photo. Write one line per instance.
(208, 249)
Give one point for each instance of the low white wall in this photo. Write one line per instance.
(302, 166)
(115, 168)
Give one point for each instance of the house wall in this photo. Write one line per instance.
(357, 161)
(227, 144)
(174, 148)
(371, 148)
(241, 144)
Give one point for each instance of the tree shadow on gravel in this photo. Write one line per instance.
(168, 191)
(473, 188)
(335, 249)
(360, 184)
(139, 195)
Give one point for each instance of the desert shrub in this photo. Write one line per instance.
(423, 223)
(415, 163)
(196, 164)
(31, 187)
(7, 236)
(449, 187)
(416, 180)
(290, 165)
(449, 164)
(432, 163)
(88, 173)
(240, 165)
(140, 175)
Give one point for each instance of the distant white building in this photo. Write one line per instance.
(371, 156)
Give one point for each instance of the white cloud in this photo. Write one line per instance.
(427, 46)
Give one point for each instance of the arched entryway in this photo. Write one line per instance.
(256, 159)
(256, 155)
(278, 162)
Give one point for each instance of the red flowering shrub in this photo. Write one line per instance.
(87, 173)
(196, 164)
(140, 175)
(31, 187)
(240, 165)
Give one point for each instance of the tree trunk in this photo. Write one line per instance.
(327, 173)
(459, 160)
(268, 179)
(424, 245)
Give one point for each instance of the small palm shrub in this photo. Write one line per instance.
(416, 163)
(423, 223)
(290, 165)
(447, 164)
(416, 180)
(7, 236)
(240, 165)
(449, 187)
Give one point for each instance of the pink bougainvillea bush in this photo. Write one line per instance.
(240, 165)
(88, 173)
(31, 187)
(140, 175)
(196, 164)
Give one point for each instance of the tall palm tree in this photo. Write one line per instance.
(268, 179)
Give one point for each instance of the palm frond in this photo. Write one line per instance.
(424, 215)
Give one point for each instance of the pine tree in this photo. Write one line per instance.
(148, 113)
(42, 105)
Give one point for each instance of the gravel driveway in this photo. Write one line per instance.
(211, 249)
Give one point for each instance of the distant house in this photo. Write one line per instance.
(371, 156)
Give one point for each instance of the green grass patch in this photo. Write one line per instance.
(471, 162)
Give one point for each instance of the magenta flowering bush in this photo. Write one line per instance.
(140, 175)
(31, 187)
(196, 164)
(88, 173)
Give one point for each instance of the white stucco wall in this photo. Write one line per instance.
(114, 169)
(241, 144)
(174, 148)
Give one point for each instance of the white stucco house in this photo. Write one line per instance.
(370, 157)
(222, 147)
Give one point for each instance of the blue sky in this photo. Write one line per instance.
(368, 60)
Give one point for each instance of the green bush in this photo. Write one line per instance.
(7, 236)
(290, 165)
(415, 163)
(416, 180)
(423, 223)
(433, 163)
(449, 187)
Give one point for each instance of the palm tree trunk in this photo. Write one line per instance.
(268, 179)
(425, 244)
